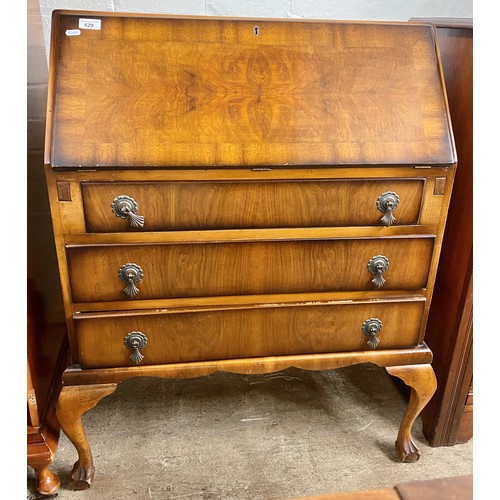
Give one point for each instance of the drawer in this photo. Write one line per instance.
(227, 334)
(196, 205)
(245, 268)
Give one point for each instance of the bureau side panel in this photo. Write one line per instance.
(59, 234)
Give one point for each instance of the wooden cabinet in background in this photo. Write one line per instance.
(448, 417)
(47, 359)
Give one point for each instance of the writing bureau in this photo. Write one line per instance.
(246, 196)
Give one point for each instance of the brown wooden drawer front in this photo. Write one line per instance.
(230, 205)
(217, 269)
(227, 334)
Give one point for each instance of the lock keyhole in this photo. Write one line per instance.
(256, 30)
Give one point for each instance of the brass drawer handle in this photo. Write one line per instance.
(131, 274)
(124, 206)
(387, 203)
(378, 265)
(136, 341)
(371, 328)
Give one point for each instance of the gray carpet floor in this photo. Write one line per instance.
(260, 437)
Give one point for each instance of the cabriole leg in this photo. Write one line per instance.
(422, 381)
(72, 403)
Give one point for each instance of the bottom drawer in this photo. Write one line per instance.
(183, 336)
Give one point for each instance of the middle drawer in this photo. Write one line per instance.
(162, 271)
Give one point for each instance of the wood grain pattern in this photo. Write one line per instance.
(449, 329)
(432, 202)
(227, 334)
(422, 381)
(252, 174)
(256, 161)
(64, 191)
(177, 93)
(243, 301)
(379, 494)
(439, 489)
(71, 404)
(264, 204)
(457, 487)
(249, 235)
(47, 357)
(420, 354)
(72, 214)
(248, 268)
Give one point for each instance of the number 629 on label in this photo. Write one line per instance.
(89, 24)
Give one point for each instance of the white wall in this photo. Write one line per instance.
(382, 10)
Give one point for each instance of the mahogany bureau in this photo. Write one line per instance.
(244, 195)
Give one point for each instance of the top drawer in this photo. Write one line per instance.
(198, 205)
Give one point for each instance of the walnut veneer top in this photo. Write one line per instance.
(157, 91)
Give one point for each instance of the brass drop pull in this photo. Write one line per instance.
(131, 274)
(126, 207)
(387, 203)
(136, 341)
(371, 328)
(378, 265)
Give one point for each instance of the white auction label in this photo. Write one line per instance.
(89, 24)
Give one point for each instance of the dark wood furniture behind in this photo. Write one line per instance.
(47, 359)
(46, 335)
(448, 417)
(244, 195)
(449, 488)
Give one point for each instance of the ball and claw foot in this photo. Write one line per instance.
(422, 382)
(82, 476)
(407, 452)
(72, 403)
